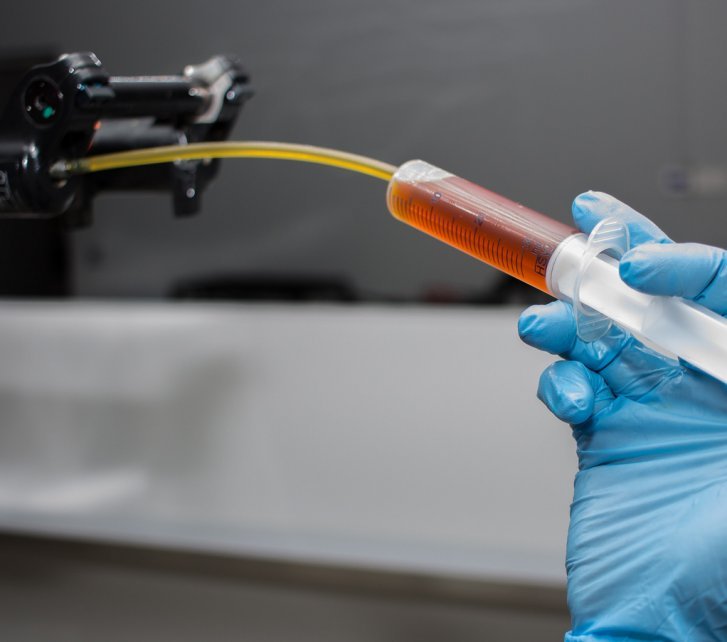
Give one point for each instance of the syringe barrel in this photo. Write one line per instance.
(553, 257)
(485, 225)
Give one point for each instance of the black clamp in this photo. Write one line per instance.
(72, 108)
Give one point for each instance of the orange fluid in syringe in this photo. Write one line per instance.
(485, 225)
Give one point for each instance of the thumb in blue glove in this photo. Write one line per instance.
(646, 555)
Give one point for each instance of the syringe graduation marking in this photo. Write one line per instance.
(481, 223)
(471, 240)
(504, 255)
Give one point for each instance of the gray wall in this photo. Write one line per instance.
(537, 99)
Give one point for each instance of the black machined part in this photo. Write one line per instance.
(167, 97)
(72, 108)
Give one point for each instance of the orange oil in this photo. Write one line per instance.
(485, 225)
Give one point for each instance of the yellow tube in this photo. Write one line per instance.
(249, 149)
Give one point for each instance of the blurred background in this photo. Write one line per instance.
(292, 417)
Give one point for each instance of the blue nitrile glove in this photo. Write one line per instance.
(647, 546)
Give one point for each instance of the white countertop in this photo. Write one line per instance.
(389, 437)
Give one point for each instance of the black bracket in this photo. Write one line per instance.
(72, 108)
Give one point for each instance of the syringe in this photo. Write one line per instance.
(551, 256)
(557, 259)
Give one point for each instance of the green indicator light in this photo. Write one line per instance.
(48, 112)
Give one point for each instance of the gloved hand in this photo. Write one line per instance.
(647, 545)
